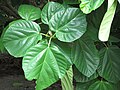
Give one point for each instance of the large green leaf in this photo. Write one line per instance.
(109, 67)
(101, 85)
(84, 86)
(20, 36)
(49, 10)
(69, 24)
(105, 26)
(88, 6)
(46, 64)
(85, 56)
(79, 77)
(67, 80)
(29, 12)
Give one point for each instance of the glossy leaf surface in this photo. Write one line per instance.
(88, 6)
(49, 10)
(46, 64)
(29, 12)
(69, 24)
(20, 36)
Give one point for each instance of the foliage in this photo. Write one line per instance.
(65, 41)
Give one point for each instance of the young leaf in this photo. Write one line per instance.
(109, 67)
(88, 6)
(49, 10)
(46, 64)
(29, 12)
(20, 36)
(85, 56)
(69, 24)
(67, 80)
(101, 85)
(105, 26)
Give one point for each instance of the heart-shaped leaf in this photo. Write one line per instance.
(46, 64)
(85, 56)
(29, 12)
(20, 36)
(109, 67)
(69, 24)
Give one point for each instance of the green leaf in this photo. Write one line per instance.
(105, 26)
(114, 39)
(79, 77)
(66, 48)
(69, 24)
(85, 56)
(109, 67)
(49, 10)
(20, 36)
(101, 85)
(67, 80)
(88, 6)
(70, 1)
(84, 86)
(29, 12)
(46, 64)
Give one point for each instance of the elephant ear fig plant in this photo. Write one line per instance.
(65, 41)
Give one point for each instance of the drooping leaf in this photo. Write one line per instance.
(85, 56)
(20, 36)
(84, 86)
(79, 77)
(46, 64)
(109, 67)
(67, 80)
(29, 12)
(88, 6)
(119, 1)
(69, 24)
(49, 10)
(101, 85)
(105, 26)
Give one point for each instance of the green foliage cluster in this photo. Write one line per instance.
(64, 41)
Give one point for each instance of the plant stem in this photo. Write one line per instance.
(45, 34)
(50, 40)
(105, 45)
